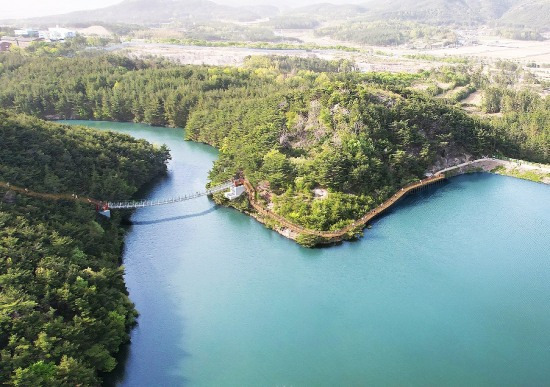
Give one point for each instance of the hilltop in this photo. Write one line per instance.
(442, 12)
(527, 13)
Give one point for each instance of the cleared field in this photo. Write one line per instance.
(487, 49)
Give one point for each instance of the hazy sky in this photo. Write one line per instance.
(17, 9)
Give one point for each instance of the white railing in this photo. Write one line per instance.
(465, 164)
(500, 161)
(131, 204)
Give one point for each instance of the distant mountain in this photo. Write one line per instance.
(162, 11)
(531, 14)
(527, 13)
(330, 11)
(441, 11)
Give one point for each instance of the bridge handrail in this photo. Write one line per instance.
(130, 204)
(465, 164)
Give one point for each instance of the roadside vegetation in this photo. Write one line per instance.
(520, 34)
(67, 48)
(212, 32)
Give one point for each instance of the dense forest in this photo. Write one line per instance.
(291, 125)
(354, 137)
(294, 127)
(64, 308)
(117, 88)
(386, 33)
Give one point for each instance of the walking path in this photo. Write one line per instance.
(486, 164)
(333, 236)
(49, 196)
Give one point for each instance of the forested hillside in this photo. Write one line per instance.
(436, 12)
(443, 11)
(161, 11)
(293, 126)
(385, 33)
(530, 14)
(64, 309)
(121, 89)
(355, 138)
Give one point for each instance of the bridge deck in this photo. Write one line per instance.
(132, 204)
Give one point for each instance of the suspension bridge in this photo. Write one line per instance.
(104, 206)
(133, 204)
(241, 186)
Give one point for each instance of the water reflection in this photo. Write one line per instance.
(173, 218)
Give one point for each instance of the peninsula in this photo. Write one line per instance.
(320, 144)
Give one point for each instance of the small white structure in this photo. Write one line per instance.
(234, 192)
(106, 213)
(60, 33)
(26, 33)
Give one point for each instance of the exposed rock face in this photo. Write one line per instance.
(320, 193)
(449, 161)
(306, 130)
(9, 198)
(53, 117)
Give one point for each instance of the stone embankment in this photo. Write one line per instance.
(292, 230)
(344, 233)
(507, 167)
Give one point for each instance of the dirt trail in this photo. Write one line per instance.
(49, 196)
(485, 164)
(334, 236)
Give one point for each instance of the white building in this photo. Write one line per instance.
(60, 33)
(26, 32)
(234, 192)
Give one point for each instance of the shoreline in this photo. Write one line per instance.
(539, 173)
(520, 169)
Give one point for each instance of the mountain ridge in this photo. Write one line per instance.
(527, 13)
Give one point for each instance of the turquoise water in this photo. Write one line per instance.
(452, 287)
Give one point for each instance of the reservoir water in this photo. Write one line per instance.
(452, 287)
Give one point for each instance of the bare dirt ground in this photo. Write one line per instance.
(480, 44)
(474, 99)
(369, 58)
(217, 56)
(234, 56)
(95, 31)
(500, 48)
